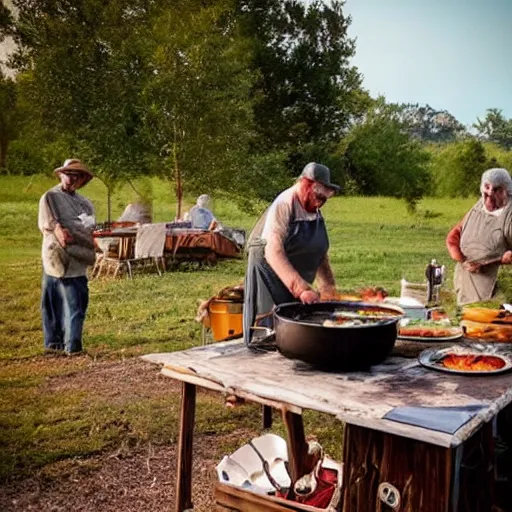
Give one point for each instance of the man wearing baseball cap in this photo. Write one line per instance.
(288, 250)
(66, 220)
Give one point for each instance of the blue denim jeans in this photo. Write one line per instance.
(63, 306)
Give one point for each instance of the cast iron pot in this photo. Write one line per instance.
(334, 348)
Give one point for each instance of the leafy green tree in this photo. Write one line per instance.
(197, 106)
(307, 91)
(9, 118)
(495, 128)
(83, 65)
(381, 158)
(457, 168)
(498, 156)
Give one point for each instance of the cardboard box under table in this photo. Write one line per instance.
(414, 439)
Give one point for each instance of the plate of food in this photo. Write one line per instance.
(468, 359)
(429, 331)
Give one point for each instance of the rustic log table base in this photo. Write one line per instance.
(423, 477)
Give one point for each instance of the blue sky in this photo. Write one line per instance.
(452, 54)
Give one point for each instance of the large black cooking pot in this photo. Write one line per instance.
(300, 334)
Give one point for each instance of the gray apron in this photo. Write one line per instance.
(483, 237)
(305, 246)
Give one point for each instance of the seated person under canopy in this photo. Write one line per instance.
(288, 250)
(200, 216)
(482, 240)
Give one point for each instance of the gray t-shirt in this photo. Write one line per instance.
(73, 212)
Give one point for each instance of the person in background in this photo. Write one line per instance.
(66, 220)
(200, 216)
(288, 250)
(482, 240)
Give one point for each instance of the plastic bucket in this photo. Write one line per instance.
(226, 319)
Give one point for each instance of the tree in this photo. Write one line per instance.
(495, 128)
(8, 116)
(457, 168)
(307, 92)
(430, 125)
(381, 158)
(198, 113)
(83, 65)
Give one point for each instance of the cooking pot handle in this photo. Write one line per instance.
(263, 338)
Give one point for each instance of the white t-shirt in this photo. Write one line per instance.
(285, 207)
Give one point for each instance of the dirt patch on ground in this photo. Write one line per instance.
(113, 379)
(138, 482)
(129, 479)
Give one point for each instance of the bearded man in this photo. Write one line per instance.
(482, 241)
(288, 250)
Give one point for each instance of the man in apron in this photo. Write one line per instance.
(288, 251)
(482, 241)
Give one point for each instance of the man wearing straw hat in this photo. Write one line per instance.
(66, 220)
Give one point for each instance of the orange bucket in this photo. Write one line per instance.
(225, 319)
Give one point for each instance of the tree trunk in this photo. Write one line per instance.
(4, 143)
(109, 204)
(179, 191)
(178, 183)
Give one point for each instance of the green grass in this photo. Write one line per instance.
(374, 241)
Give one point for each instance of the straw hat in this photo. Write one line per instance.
(75, 165)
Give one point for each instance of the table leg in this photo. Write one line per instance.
(266, 412)
(186, 433)
(297, 446)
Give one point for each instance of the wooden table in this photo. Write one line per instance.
(179, 243)
(432, 471)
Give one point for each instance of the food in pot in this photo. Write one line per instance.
(345, 322)
(473, 362)
(354, 317)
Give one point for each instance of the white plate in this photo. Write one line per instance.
(431, 339)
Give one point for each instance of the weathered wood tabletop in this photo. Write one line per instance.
(358, 398)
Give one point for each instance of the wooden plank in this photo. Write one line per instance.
(360, 398)
(476, 472)
(297, 446)
(503, 460)
(420, 472)
(242, 500)
(401, 429)
(192, 378)
(186, 435)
